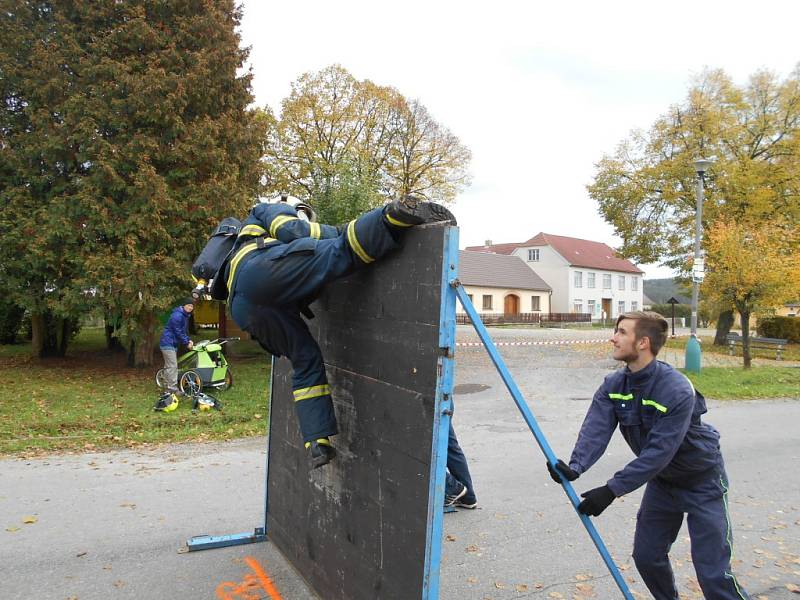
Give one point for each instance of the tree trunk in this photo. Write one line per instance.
(145, 340)
(724, 324)
(745, 316)
(38, 334)
(112, 341)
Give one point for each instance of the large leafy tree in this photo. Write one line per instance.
(751, 269)
(153, 141)
(646, 189)
(348, 145)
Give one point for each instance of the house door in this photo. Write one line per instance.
(511, 306)
(606, 308)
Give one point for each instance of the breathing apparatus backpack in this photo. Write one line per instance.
(210, 263)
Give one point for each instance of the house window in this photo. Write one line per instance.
(635, 284)
(606, 282)
(634, 305)
(533, 255)
(590, 280)
(621, 282)
(621, 307)
(577, 306)
(591, 307)
(578, 279)
(471, 301)
(535, 303)
(487, 302)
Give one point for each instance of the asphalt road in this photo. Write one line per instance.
(109, 525)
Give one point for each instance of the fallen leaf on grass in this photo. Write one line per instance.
(29, 520)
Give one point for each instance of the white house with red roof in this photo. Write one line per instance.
(585, 276)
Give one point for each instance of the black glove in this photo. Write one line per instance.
(596, 501)
(562, 470)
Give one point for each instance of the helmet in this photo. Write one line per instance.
(304, 211)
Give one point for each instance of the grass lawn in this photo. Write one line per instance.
(722, 383)
(91, 400)
(790, 352)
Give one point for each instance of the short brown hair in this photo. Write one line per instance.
(650, 325)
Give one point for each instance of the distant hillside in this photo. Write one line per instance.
(661, 290)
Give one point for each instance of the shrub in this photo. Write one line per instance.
(787, 328)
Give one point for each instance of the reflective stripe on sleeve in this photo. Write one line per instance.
(314, 391)
(316, 230)
(621, 396)
(395, 222)
(252, 229)
(278, 222)
(355, 245)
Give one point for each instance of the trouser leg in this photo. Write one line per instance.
(171, 368)
(457, 464)
(657, 526)
(312, 394)
(711, 537)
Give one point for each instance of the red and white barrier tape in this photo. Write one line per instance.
(537, 343)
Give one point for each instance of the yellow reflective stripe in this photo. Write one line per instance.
(240, 254)
(312, 392)
(729, 537)
(395, 222)
(278, 222)
(355, 245)
(252, 229)
(621, 396)
(244, 251)
(316, 230)
(654, 404)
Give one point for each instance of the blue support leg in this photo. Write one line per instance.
(537, 432)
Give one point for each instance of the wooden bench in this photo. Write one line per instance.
(734, 339)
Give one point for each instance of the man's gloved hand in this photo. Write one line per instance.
(596, 501)
(563, 470)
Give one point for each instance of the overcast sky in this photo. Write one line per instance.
(537, 91)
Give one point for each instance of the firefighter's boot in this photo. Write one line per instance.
(321, 452)
(411, 210)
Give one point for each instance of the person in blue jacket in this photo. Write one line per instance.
(174, 334)
(658, 412)
(280, 263)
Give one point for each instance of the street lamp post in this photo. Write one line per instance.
(693, 354)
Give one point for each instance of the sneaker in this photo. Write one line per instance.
(410, 210)
(321, 452)
(166, 403)
(451, 499)
(465, 502)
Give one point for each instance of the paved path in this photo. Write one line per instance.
(108, 526)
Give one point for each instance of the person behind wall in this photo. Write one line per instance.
(678, 457)
(174, 334)
(458, 488)
(281, 262)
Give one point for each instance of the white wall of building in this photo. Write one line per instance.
(498, 299)
(559, 275)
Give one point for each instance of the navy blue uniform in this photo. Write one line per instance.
(678, 456)
(280, 265)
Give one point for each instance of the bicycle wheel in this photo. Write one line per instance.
(227, 383)
(190, 383)
(161, 378)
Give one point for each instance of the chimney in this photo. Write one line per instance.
(487, 243)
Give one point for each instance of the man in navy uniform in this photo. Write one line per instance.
(677, 455)
(280, 263)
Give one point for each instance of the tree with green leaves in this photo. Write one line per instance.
(126, 137)
(646, 189)
(348, 145)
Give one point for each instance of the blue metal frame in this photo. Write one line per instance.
(537, 432)
(441, 421)
(207, 542)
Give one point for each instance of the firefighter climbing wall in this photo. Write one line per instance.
(356, 529)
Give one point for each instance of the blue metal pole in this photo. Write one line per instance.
(537, 432)
(441, 423)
